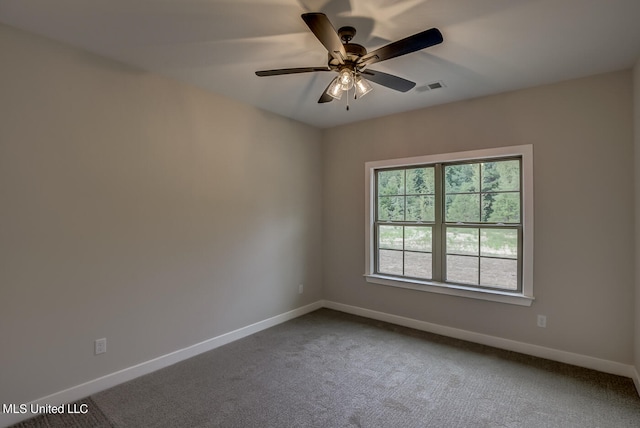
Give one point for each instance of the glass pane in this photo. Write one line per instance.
(499, 243)
(391, 208)
(501, 207)
(390, 237)
(390, 261)
(462, 269)
(420, 181)
(462, 178)
(463, 208)
(421, 208)
(391, 182)
(499, 273)
(417, 238)
(417, 265)
(462, 241)
(501, 176)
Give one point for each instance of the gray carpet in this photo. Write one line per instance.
(329, 369)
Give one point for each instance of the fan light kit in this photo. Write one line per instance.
(351, 60)
(347, 80)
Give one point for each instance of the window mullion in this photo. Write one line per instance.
(480, 190)
(478, 250)
(438, 231)
(404, 246)
(404, 192)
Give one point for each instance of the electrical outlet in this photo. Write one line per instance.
(300, 288)
(542, 321)
(101, 346)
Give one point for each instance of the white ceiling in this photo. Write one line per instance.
(490, 46)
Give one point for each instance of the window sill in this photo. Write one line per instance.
(453, 290)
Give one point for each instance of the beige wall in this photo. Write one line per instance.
(581, 132)
(157, 215)
(141, 210)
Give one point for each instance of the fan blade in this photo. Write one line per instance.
(320, 25)
(325, 98)
(280, 71)
(404, 46)
(388, 80)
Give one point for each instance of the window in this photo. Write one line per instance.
(459, 223)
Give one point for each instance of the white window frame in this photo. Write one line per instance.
(523, 297)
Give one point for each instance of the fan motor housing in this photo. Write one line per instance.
(355, 49)
(354, 52)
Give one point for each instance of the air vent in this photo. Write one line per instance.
(431, 86)
(435, 85)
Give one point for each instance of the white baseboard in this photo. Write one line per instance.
(598, 364)
(96, 385)
(636, 379)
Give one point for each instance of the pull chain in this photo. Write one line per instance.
(347, 99)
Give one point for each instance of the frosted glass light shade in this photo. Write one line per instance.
(362, 87)
(346, 79)
(335, 89)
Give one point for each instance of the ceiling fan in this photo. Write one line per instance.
(351, 60)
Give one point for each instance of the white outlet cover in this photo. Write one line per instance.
(101, 346)
(542, 321)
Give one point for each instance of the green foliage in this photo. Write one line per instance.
(391, 182)
(406, 195)
(462, 208)
(485, 191)
(420, 181)
(420, 208)
(462, 241)
(391, 208)
(505, 208)
(463, 178)
(490, 242)
(499, 243)
(390, 237)
(417, 238)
